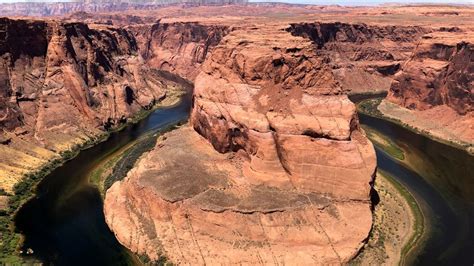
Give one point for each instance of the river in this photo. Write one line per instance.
(441, 179)
(64, 223)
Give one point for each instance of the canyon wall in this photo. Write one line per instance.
(427, 71)
(62, 84)
(363, 58)
(272, 167)
(438, 73)
(44, 9)
(177, 47)
(434, 91)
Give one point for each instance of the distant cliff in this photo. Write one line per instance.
(62, 8)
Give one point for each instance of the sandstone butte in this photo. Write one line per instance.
(273, 166)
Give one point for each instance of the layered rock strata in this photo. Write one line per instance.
(438, 73)
(178, 47)
(437, 82)
(280, 172)
(62, 8)
(62, 84)
(364, 58)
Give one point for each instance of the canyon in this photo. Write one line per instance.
(273, 166)
(278, 141)
(51, 9)
(271, 101)
(63, 85)
(79, 82)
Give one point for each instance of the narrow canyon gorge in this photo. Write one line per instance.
(273, 166)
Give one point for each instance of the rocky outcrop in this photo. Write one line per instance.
(363, 58)
(192, 205)
(269, 95)
(62, 84)
(437, 82)
(178, 47)
(437, 74)
(280, 172)
(62, 8)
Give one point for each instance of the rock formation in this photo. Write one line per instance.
(62, 8)
(177, 47)
(363, 58)
(272, 167)
(438, 73)
(437, 82)
(63, 84)
(280, 172)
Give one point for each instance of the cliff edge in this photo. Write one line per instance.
(272, 168)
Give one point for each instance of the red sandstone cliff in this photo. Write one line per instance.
(177, 47)
(62, 84)
(281, 173)
(437, 74)
(434, 91)
(363, 58)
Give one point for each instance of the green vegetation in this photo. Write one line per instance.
(23, 190)
(10, 241)
(387, 222)
(128, 159)
(101, 176)
(162, 260)
(418, 226)
(369, 107)
(386, 144)
(116, 167)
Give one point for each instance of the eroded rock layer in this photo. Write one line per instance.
(63, 84)
(193, 205)
(439, 72)
(177, 47)
(434, 91)
(280, 172)
(363, 58)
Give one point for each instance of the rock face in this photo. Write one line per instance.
(193, 205)
(438, 73)
(61, 85)
(269, 95)
(286, 180)
(63, 8)
(178, 47)
(363, 58)
(437, 82)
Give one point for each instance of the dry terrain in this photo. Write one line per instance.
(273, 166)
